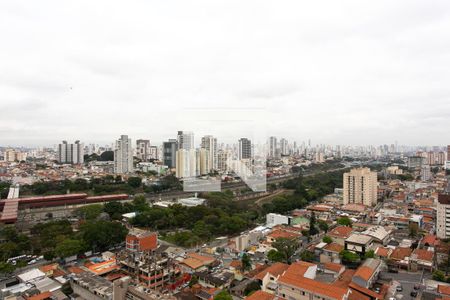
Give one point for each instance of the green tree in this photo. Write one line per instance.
(327, 239)
(246, 262)
(439, 276)
(135, 182)
(286, 247)
(107, 156)
(349, 257)
(140, 203)
(323, 225)
(89, 212)
(275, 256)
(312, 225)
(101, 235)
(223, 295)
(115, 209)
(68, 248)
(6, 268)
(7, 250)
(345, 221)
(307, 256)
(193, 281)
(369, 254)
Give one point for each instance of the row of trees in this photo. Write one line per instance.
(194, 225)
(58, 239)
(306, 189)
(97, 186)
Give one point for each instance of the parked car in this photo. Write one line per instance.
(399, 288)
(414, 294)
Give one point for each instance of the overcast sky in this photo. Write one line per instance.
(338, 72)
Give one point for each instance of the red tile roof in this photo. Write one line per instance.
(334, 247)
(423, 254)
(383, 251)
(316, 287)
(276, 269)
(364, 272)
(443, 289)
(333, 267)
(260, 295)
(341, 232)
(400, 253)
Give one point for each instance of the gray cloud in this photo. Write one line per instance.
(357, 72)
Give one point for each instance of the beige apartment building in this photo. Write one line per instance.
(360, 186)
(443, 217)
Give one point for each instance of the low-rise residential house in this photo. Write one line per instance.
(359, 243)
(260, 295)
(379, 234)
(367, 273)
(421, 259)
(383, 252)
(268, 278)
(333, 268)
(429, 240)
(195, 262)
(220, 280)
(400, 257)
(292, 285)
(340, 234)
(330, 252)
(281, 233)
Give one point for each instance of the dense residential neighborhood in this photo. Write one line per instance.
(349, 227)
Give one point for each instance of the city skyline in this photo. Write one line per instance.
(365, 75)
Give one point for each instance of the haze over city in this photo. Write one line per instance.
(346, 72)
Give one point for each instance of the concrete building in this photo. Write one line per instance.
(443, 217)
(209, 143)
(170, 153)
(415, 162)
(245, 149)
(425, 173)
(222, 157)
(273, 219)
(70, 153)
(12, 155)
(272, 147)
(360, 186)
(143, 149)
(185, 140)
(139, 240)
(123, 156)
(284, 147)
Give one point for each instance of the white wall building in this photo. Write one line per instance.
(123, 155)
(71, 153)
(276, 219)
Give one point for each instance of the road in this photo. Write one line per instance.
(407, 279)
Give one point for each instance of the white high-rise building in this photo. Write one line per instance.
(443, 217)
(192, 163)
(360, 187)
(71, 153)
(284, 147)
(210, 144)
(272, 147)
(185, 140)
(123, 155)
